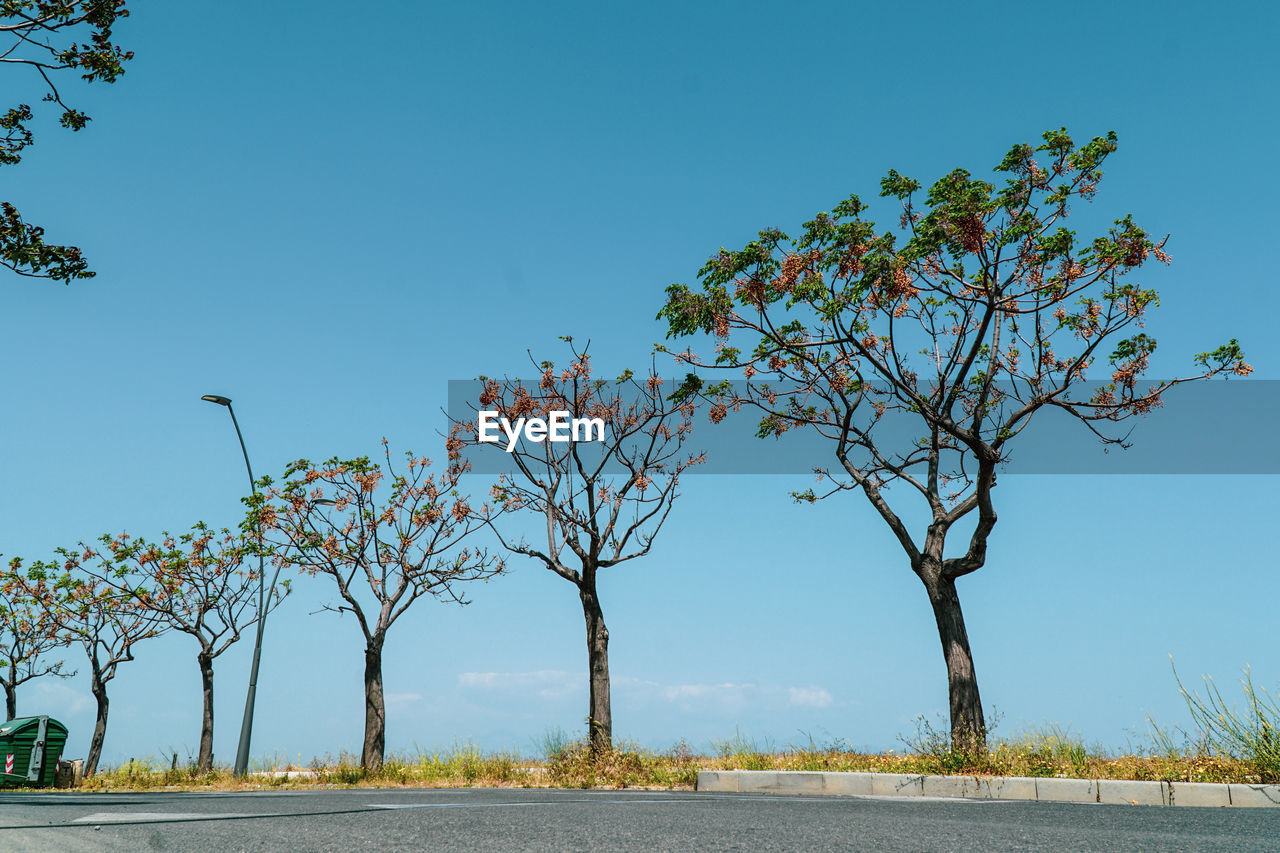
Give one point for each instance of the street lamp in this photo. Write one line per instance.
(246, 726)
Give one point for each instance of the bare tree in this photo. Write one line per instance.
(603, 500)
(990, 311)
(386, 536)
(27, 636)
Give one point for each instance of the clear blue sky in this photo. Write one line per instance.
(326, 216)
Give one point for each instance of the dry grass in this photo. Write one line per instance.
(1003, 760)
(570, 765)
(462, 766)
(1047, 751)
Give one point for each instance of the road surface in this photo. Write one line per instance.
(540, 819)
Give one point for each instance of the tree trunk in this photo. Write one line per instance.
(99, 690)
(600, 718)
(204, 763)
(10, 701)
(375, 708)
(968, 728)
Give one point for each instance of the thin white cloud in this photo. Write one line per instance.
(555, 683)
(811, 697)
(727, 694)
(547, 682)
(54, 693)
(677, 692)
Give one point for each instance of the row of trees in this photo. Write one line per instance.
(979, 311)
(381, 553)
(107, 598)
(384, 534)
(601, 504)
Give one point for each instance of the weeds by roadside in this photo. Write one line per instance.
(1251, 734)
(576, 765)
(1048, 751)
(463, 765)
(1229, 745)
(569, 765)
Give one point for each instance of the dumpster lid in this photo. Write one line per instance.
(20, 723)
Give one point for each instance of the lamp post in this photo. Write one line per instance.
(246, 726)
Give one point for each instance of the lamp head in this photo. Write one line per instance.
(217, 398)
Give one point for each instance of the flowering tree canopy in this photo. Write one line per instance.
(980, 310)
(27, 636)
(195, 583)
(603, 501)
(97, 613)
(386, 535)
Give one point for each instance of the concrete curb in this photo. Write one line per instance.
(1210, 794)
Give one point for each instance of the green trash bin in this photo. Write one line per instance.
(31, 748)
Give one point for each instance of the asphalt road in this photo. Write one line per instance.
(539, 819)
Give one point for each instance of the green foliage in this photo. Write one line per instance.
(51, 36)
(688, 390)
(989, 279)
(1135, 347)
(977, 311)
(1224, 357)
(24, 250)
(896, 185)
(28, 634)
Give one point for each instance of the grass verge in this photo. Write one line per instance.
(1046, 752)
(1230, 745)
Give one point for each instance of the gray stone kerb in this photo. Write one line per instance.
(990, 788)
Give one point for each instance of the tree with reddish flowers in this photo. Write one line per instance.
(603, 501)
(104, 620)
(386, 535)
(27, 637)
(43, 38)
(194, 583)
(981, 309)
